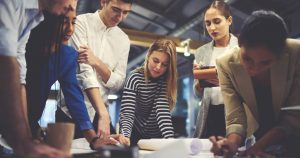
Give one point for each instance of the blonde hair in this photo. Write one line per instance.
(169, 47)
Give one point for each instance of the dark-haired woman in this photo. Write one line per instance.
(217, 21)
(50, 59)
(257, 80)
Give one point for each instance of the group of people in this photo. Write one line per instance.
(43, 41)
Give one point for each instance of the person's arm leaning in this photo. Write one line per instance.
(87, 78)
(12, 119)
(103, 123)
(163, 115)
(112, 78)
(128, 103)
(236, 121)
(13, 123)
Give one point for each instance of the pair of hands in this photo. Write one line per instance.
(211, 81)
(104, 132)
(228, 148)
(114, 139)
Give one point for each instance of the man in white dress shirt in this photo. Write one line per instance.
(103, 53)
(17, 18)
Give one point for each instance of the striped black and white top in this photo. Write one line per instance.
(145, 106)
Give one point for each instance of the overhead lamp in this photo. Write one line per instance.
(186, 45)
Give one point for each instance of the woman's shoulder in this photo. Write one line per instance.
(204, 49)
(206, 46)
(136, 74)
(68, 50)
(68, 53)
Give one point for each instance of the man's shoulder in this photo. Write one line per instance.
(85, 17)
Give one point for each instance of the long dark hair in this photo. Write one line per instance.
(44, 40)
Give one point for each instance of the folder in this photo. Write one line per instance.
(205, 72)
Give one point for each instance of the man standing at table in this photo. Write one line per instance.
(103, 53)
(17, 18)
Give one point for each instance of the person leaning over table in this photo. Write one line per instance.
(149, 95)
(211, 115)
(257, 79)
(17, 18)
(103, 53)
(50, 59)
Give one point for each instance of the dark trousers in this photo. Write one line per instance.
(60, 116)
(215, 122)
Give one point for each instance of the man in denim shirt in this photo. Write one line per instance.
(17, 18)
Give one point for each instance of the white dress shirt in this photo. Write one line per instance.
(111, 45)
(17, 18)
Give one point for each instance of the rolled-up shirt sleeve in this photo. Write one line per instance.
(8, 29)
(118, 74)
(21, 58)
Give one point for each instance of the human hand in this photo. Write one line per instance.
(39, 150)
(103, 125)
(223, 146)
(198, 86)
(122, 139)
(85, 55)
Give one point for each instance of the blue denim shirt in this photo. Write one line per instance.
(16, 21)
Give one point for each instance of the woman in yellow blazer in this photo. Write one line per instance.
(257, 79)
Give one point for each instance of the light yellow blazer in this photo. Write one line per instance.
(239, 97)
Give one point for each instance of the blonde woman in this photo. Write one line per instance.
(149, 94)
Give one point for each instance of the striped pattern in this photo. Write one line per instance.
(146, 106)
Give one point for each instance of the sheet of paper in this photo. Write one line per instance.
(80, 146)
(176, 149)
(193, 145)
(296, 107)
